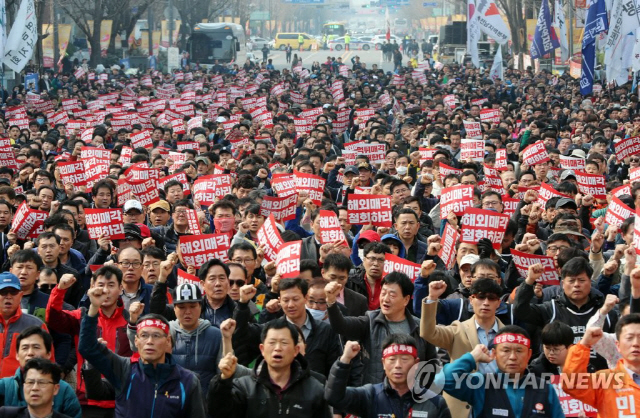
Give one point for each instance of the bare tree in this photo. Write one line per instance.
(126, 20)
(193, 12)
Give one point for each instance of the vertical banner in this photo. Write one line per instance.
(269, 237)
(22, 39)
(288, 259)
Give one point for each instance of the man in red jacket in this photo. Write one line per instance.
(12, 322)
(112, 324)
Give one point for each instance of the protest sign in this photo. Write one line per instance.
(107, 222)
(472, 149)
(501, 160)
(193, 221)
(394, 263)
(281, 208)
(330, 229)
(146, 191)
(186, 278)
(592, 184)
(184, 145)
(546, 192)
(375, 152)
(288, 259)
(198, 249)
(445, 170)
(617, 212)
(208, 189)
(636, 231)
(72, 172)
(181, 177)
(313, 185)
(571, 163)
(473, 129)
(634, 175)
(457, 199)
(492, 179)
(426, 154)
(509, 205)
(481, 223)
(92, 152)
(284, 184)
(142, 139)
(523, 260)
(535, 154)
(95, 170)
(490, 115)
(366, 209)
(574, 408)
(627, 147)
(27, 222)
(447, 251)
(269, 237)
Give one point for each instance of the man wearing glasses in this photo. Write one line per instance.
(245, 254)
(161, 387)
(134, 289)
(460, 338)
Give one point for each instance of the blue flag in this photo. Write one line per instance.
(596, 23)
(544, 39)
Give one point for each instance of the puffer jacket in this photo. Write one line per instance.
(378, 400)
(256, 397)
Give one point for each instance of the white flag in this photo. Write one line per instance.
(496, 68)
(3, 26)
(561, 30)
(623, 22)
(22, 38)
(636, 53)
(473, 33)
(491, 22)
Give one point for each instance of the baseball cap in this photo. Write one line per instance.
(351, 169)
(578, 153)
(564, 202)
(566, 174)
(188, 292)
(371, 236)
(469, 259)
(132, 204)
(204, 160)
(5, 181)
(364, 166)
(145, 232)
(160, 204)
(132, 231)
(9, 280)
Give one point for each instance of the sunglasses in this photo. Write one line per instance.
(490, 297)
(238, 283)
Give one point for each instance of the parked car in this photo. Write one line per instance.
(355, 44)
(291, 38)
(257, 43)
(378, 40)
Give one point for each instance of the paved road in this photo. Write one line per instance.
(309, 57)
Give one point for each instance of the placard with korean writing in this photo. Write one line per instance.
(472, 149)
(394, 263)
(448, 242)
(198, 249)
(481, 223)
(330, 229)
(269, 237)
(457, 199)
(366, 209)
(107, 222)
(313, 185)
(523, 260)
(592, 184)
(535, 154)
(288, 259)
(282, 208)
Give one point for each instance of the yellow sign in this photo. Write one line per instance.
(64, 33)
(164, 26)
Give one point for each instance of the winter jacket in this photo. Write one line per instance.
(165, 391)
(23, 412)
(256, 397)
(112, 329)
(323, 345)
(65, 402)
(561, 309)
(371, 329)
(9, 331)
(198, 350)
(377, 400)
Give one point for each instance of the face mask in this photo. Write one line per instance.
(361, 253)
(318, 315)
(402, 170)
(40, 121)
(224, 224)
(46, 77)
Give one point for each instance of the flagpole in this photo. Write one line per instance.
(570, 29)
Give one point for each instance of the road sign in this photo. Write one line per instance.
(430, 4)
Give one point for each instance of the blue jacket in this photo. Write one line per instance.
(166, 391)
(65, 402)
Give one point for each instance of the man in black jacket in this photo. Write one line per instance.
(280, 385)
(394, 395)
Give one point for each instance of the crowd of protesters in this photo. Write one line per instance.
(96, 326)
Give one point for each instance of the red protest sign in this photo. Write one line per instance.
(394, 263)
(481, 223)
(426, 154)
(8, 158)
(490, 115)
(634, 175)
(509, 205)
(181, 177)
(208, 189)
(330, 229)
(450, 101)
(473, 129)
(627, 147)
(445, 170)
(572, 407)
(621, 191)
(281, 208)
(140, 171)
(535, 154)
(524, 260)
(27, 222)
(72, 172)
(472, 149)
(183, 145)
(186, 278)
(492, 179)
(269, 237)
(124, 192)
(366, 209)
(146, 191)
(636, 231)
(447, 252)
(313, 185)
(375, 152)
(592, 184)
(457, 199)
(193, 222)
(284, 184)
(105, 222)
(142, 139)
(546, 192)
(288, 259)
(571, 163)
(95, 170)
(92, 152)
(617, 212)
(501, 160)
(197, 249)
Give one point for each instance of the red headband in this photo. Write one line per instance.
(399, 349)
(512, 338)
(156, 323)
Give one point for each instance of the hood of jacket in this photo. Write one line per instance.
(596, 299)
(203, 324)
(399, 243)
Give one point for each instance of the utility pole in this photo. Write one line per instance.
(150, 27)
(56, 43)
(170, 23)
(570, 29)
